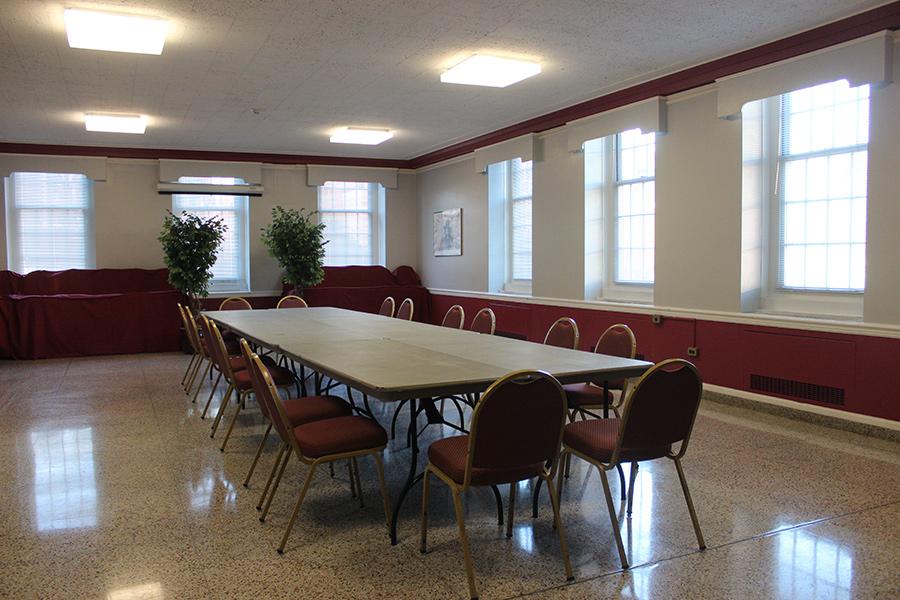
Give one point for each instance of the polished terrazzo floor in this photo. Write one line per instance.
(112, 489)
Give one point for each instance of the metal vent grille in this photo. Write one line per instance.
(797, 389)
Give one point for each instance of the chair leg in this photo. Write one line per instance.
(633, 479)
(613, 518)
(622, 485)
(188, 370)
(290, 526)
(284, 462)
(262, 444)
(464, 540)
(690, 504)
(358, 484)
(512, 508)
(265, 491)
(423, 534)
(221, 411)
(385, 498)
(560, 475)
(194, 379)
(237, 411)
(211, 392)
(560, 531)
(568, 464)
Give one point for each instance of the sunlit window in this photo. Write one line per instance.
(349, 211)
(635, 206)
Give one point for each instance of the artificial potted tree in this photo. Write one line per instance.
(189, 251)
(296, 241)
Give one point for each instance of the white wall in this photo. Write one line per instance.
(128, 215)
(698, 212)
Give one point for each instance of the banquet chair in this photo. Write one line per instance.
(299, 411)
(617, 340)
(292, 302)
(563, 334)
(197, 357)
(387, 307)
(515, 434)
(201, 340)
(659, 413)
(455, 317)
(234, 370)
(316, 443)
(405, 312)
(484, 322)
(235, 303)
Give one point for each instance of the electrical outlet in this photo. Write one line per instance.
(657, 319)
(693, 351)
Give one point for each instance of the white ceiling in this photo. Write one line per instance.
(310, 66)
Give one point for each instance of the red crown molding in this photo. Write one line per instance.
(877, 19)
(872, 21)
(157, 153)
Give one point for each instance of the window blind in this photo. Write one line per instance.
(348, 210)
(822, 187)
(49, 222)
(520, 219)
(635, 207)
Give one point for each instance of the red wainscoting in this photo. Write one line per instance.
(854, 373)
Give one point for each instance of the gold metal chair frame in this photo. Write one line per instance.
(412, 309)
(193, 332)
(390, 302)
(292, 298)
(456, 489)
(614, 461)
(196, 355)
(462, 316)
(493, 319)
(623, 395)
(293, 447)
(238, 299)
(574, 325)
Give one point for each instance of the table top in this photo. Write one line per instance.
(392, 359)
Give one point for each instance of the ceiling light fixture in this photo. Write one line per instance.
(361, 135)
(491, 71)
(115, 123)
(115, 32)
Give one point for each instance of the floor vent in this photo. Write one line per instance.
(797, 389)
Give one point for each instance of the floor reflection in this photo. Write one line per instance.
(203, 492)
(813, 566)
(65, 485)
(147, 591)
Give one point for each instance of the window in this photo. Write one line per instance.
(49, 222)
(620, 203)
(231, 272)
(813, 157)
(350, 212)
(510, 224)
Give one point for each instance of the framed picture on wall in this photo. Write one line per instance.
(448, 232)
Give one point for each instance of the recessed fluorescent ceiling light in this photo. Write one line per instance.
(492, 71)
(115, 32)
(361, 135)
(115, 123)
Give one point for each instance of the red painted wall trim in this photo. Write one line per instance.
(878, 19)
(872, 21)
(157, 153)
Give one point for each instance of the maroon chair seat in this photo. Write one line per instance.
(450, 455)
(340, 435)
(301, 411)
(584, 394)
(597, 438)
(239, 364)
(280, 376)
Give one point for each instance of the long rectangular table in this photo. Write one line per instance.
(394, 360)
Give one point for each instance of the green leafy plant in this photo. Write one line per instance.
(189, 248)
(296, 241)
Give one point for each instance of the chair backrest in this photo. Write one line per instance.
(387, 307)
(258, 383)
(217, 350)
(292, 302)
(662, 407)
(563, 333)
(484, 322)
(406, 309)
(235, 303)
(518, 422)
(188, 331)
(265, 392)
(617, 340)
(193, 329)
(455, 317)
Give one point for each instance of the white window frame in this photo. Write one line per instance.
(775, 297)
(608, 185)
(218, 285)
(377, 250)
(15, 261)
(500, 217)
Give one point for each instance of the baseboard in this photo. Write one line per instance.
(819, 415)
